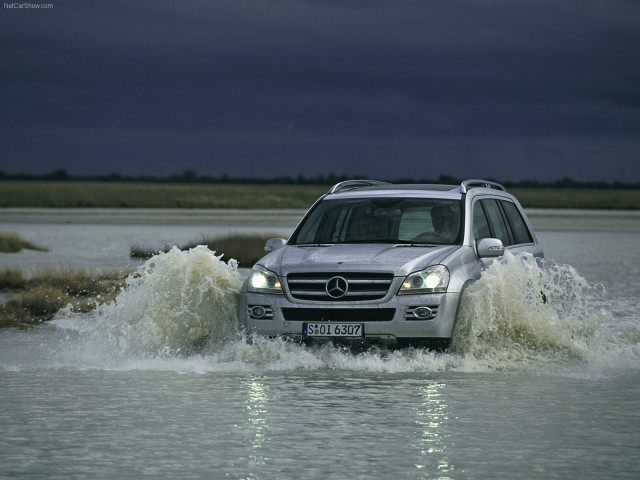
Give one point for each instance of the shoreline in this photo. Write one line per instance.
(84, 194)
(151, 216)
(556, 219)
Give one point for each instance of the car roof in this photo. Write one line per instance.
(374, 188)
(397, 190)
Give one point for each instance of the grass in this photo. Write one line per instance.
(247, 249)
(578, 198)
(12, 279)
(12, 243)
(155, 195)
(166, 195)
(37, 299)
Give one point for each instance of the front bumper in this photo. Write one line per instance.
(387, 321)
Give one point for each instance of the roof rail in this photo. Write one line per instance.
(467, 184)
(351, 184)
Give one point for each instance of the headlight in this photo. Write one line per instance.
(433, 279)
(262, 280)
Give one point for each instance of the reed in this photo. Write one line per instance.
(174, 195)
(578, 198)
(247, 249)
(39, 298)
(11, 242)
(79, 283)
(155, 195)
(12, 279)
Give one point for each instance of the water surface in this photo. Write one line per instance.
(530, 390)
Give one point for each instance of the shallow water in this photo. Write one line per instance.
(159, 384)
(102, 238)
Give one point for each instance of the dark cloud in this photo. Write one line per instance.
(497, 88)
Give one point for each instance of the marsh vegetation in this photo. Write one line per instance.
(11, 242)
(34, 300)
(155, 195)
(62, 194)
(31, 300)
(246, 248)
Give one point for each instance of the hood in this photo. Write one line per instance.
(399, 259)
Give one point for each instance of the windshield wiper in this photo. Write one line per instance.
(313, 244)
(376, 240)
(392, 241)
(414, 244)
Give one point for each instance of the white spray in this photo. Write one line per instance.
(174, 302)
(523, 308)
(179, 312)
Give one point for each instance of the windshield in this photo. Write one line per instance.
(381, 220)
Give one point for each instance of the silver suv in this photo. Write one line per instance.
(373, 262)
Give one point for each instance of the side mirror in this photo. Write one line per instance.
(489, 247)
(274, 244)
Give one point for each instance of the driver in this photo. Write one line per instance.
(442, 221)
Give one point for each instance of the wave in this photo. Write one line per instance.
(179, 311)
(173, 304)
(523, 306)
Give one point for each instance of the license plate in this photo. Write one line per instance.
(332, 330)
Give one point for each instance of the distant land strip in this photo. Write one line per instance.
(190, 176)
(92, 194)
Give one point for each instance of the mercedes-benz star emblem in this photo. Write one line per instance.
(337, 287)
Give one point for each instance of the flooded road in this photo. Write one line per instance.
(547, 392)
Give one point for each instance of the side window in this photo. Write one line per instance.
(520, 230)
(480, 224)
(497, 222)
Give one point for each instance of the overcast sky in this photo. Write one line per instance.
(513, 90)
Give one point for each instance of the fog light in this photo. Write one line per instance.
(258, 311)
(422, 313)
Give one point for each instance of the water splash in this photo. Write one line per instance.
(256, 352)
(175, 302)
(524, 308)
(178, 312)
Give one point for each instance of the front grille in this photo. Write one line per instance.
(361, 286)
(338, 314)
